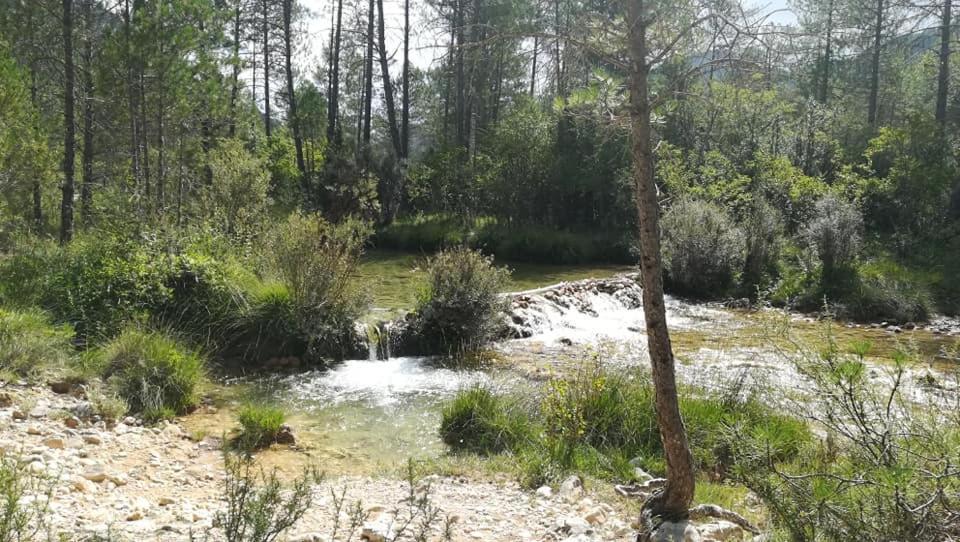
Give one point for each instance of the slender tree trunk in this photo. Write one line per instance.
(266, 67)
(368, 82)
(674, 500)
(69, 128)
(943, 76)
(558, 56)
(37, 189)
(533, 71)
(405, 113)
(827, 57)
(161, 148)
(235, 78)
(388, 85)
(86, 189)
(131, 97)
(291, 90)
(875, 66)
(333, 113)
(142, 123)
(461, 80)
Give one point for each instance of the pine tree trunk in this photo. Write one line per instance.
(673, 502)
(291, 90)
(333, 116)
(131, 97)
(943, 76)
(235, 78)
(86, 189)
(388, 84)
(37, 189)
(872, 104)
(405, 114)
(827, 57)
(69, 128)
(266, 68)
(368, 82)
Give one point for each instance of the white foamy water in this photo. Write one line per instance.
(383, 382)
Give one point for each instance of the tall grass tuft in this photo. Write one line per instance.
(30, 345)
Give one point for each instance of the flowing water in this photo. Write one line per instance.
(366, 414)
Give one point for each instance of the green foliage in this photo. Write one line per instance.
(880, 473)
(238, 196)
(154, 374)
(703, 250)
(478, 421)
(763, 233)
(835, 235)
(316, 262)
(30, 345)
(259, 425)
(888, 291)
(259, 507)
(25, 498)
(460, 307)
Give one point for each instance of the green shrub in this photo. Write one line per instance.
(883, 471)
(478, 421)
(460, 308)
(763, 233)
(888, 291)
(270, 327)
(259, 425)
(834, 234)
(316, 261)
(30, 345)
(237, 198)
(25, 497)
(155, 375)
(702, 249)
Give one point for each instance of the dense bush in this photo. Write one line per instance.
(30, 345)
(834, 234)
(703, 250)
(155, 375)
(763, 233)
(237, 198)
(460, 306)
(260, 425)
(887, 291)
(316, 262)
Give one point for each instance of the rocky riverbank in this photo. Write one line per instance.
(134, 482)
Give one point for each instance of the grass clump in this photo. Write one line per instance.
(460, 307)
(30, 345)
(481, 422)
(156, 376)
(260, 425)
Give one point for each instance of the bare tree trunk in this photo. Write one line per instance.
(827, 57)
(235, 78)
(558, 57)
(69, 128)
(333, 116)
(388, 84)
(875, 66)
(86, 189)
(368, 82)
(266, 67)
(533, 71)
(405, 114)
(943, 76)
(291, 90)
(460, 110)
(673, 502)
(131, 97)
(37, 189)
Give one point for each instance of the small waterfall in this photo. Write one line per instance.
(378, 341)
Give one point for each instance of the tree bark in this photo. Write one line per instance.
(533, 71)
(943, 76)
(333, 116)
(872, 103)
(266, 67)
(235, 78)
(673, 502)
(291, 90)
(388, 84)
(405, 114)
(86, 189)
(37, 189)
(368, 82)
(69, 129)
(827, 57)
(131, 97)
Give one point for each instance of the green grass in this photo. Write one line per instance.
(156, 376)
(30, 345)
(259, 425)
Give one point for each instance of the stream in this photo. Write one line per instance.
(366, 415)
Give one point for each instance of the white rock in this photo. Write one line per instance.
(545, 491)
(92, 439)
(573, 525)
(55, 442)
(596, 516)
(720, 531)
(95, 473)
(571, 489)
(683, 531)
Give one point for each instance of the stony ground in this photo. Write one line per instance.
(155, 483)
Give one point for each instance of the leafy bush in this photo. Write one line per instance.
(478, 421)
(883, 471)
(316, 261)
(703, 250)
(155, 375)
(25, 497)
(259, 425)
(763, 233)
(29, 344)
(835, 235)
(888, 291)
(460, 307)
(237, 198)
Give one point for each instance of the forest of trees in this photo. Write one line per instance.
(793, 161)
